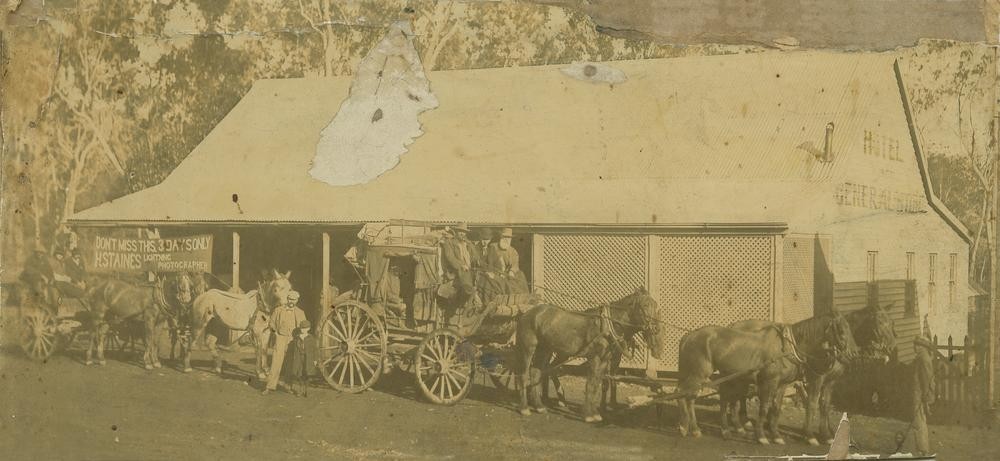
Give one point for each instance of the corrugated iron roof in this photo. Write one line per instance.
(706, 139)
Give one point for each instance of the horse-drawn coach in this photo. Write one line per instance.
(403, 313)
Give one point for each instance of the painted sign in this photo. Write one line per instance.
(877, 198)
(878, 145)
(175, 254)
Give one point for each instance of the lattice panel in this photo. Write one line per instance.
(797, 279)
(712, 280)
(583, 271)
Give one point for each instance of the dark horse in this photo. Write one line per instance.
(875, 336)
(114, 301)
(774, 356)
(596, 335)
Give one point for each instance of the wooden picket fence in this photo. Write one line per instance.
(959, 373)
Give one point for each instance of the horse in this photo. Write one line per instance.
(117, 300)
(874, 334)
(547, 330)
(180, 327)
(250, 311)
(813, 344)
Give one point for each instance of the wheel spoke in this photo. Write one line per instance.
(447, 383)
(456, 375)
(368, 367)
(343, 327)
(437, 380)
(350, 361)
(369, 335)
(429, 359)
(333, 370)
(362, 352)
(361, 329)
(340, 334)
(350, 324)
(441, 389)
(334, 356)
(343, 370)
(361, 372)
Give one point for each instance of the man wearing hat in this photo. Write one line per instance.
(459, 258)
(305, 355)
(38, 267)
(284, 321)
(503, 263)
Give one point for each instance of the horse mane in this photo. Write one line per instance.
(813, 327)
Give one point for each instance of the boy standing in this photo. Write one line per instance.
(305, 356)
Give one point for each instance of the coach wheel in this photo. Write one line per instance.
(445, 365)
(352, 347)
(38, 334)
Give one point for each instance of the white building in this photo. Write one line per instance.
(731, 186)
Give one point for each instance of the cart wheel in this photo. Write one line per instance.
(38, 334)
(445, 367)
(352, 347)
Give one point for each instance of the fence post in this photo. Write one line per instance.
(951, 345)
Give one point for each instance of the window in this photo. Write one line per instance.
(872, 266)
(909, 265)
(952, 279)
(932, 260)
(931, 278)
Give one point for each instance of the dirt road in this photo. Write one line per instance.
(65, 410)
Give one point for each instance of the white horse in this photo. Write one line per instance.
(250, 311)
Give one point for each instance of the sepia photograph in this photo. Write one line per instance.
(755, 230)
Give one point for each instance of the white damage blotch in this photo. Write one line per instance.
(379, 118)
(595, 72)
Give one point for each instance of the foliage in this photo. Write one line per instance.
(111, 97)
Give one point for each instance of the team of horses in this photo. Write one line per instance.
(184, 303)
(767, 355)
(763, 355)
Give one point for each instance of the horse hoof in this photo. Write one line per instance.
(726, 435)
(779, 441)
(219, 371)
(741, 431)
(696, 434)
(589, 419)
(149, 367)
(748, 425)
(88, 362)
(525, 412)
(260, 376)
(561, 404)
(684, 432)
(102, 362)
(157, 365)
(188, 370)
(763, 441)
(541, 410)
(598, 418)
(812, 441)
(829, 441)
